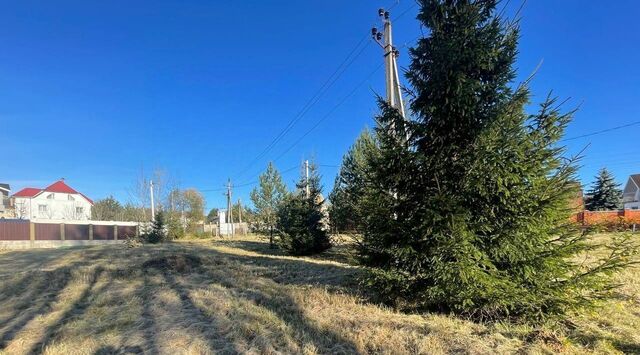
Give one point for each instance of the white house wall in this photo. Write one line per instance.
(59, 208)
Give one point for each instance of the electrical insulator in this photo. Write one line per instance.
(379, 36)
(374, 32)
(380, 12)
(386, 15)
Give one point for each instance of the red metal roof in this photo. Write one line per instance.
(27, 192)
(58, 186)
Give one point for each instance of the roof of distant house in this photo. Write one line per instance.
(59, 186)
(636, 179)
(5, 187)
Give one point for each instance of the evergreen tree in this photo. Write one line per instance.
(469, 214)
(606, 194)
(301, 226)
(107, 209)
(158, 231)
(344, 212)
(266, 198)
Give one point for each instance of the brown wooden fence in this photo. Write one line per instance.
(47, 231)
(14, 230)
(103, 233)
(76, 231)
(24, 230)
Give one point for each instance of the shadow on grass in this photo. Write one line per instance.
(339, 252)
(77, 309)
(624, 346)
(251, 290)
(125, 350)
(39, 301)
(290, 270)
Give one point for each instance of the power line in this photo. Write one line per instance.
(333, 109)
(602, 131)
(346, 63)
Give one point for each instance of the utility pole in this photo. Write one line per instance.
(153, 211)
(229, 207)
(306, 175)
(243, 230)
(392, 81)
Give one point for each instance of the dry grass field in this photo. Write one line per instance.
(239, 296)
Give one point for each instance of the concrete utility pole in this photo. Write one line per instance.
(153, 211)
(306, 175)
(239, 211)
(229, 207)
(385, 39)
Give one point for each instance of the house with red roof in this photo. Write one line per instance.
(57, 201)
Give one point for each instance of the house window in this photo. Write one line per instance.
(79, 211)
(51, 196)
(71, 198)
(42, 208)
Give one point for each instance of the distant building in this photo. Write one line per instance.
(5, 206)
(631, 193)
(57, 201)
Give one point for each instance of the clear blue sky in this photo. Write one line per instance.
(95, 91)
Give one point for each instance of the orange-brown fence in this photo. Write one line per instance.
(620, 217)
(25, 230)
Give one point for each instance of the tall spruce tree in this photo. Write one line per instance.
(605, 194)
(470, 214)
(344, 212)
(301, 218)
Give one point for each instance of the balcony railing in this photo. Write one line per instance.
(626, 198)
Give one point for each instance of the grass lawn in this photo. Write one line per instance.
(238, 296)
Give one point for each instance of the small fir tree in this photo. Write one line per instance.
(605, 194)
(266, 198)
(300, 221)
(158, 231)
(344, 212)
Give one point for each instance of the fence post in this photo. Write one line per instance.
(32, 233)
(90, 231)
(115, 232)
(61, 231)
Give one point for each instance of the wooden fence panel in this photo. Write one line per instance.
(125, 232)
(14, 230)
(102, 232)
(76, 232)
(47, 231)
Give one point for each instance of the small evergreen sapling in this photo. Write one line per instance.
(158, 230)
(301, 220)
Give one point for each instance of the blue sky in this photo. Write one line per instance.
(96, 91)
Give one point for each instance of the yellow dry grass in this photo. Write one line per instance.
(239, 296)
